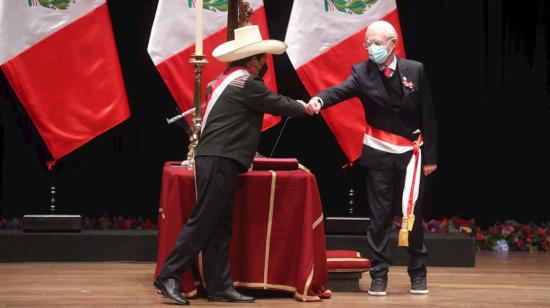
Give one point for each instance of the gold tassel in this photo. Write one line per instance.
(404, 233)
(403, 238)
(410, 222)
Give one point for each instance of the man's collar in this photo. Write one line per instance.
(393, 64)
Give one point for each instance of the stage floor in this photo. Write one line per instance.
(498, 280)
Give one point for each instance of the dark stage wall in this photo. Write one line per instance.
(488, 66)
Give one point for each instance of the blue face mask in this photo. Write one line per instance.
(378, 53)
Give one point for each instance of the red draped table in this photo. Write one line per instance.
(278, 238)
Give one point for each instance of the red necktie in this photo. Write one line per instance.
(387, 72)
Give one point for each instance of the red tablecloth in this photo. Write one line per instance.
(278, 238)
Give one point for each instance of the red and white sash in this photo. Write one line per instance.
(218, 88)
(395, 144)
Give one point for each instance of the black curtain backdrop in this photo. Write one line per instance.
(488, 66)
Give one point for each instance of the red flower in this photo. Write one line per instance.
(479, 236)
(148, 224)
(127, 224)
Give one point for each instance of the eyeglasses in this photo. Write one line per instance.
(377, 43)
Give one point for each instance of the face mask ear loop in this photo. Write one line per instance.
(391, 50)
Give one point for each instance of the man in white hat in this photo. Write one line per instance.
(237, 101)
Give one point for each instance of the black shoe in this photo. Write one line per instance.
(171, 289)
(419, 285)
(229, 296)
(378, 286)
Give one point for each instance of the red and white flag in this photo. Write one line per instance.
(172, 43)
(325, 38)
(61, 60)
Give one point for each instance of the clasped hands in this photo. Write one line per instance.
(313, 106)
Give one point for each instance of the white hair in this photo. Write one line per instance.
(381, 26)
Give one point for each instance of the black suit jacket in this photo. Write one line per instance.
(234, 124)
(416, 110)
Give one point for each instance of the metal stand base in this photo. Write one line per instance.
(346, 225)
(51, 223)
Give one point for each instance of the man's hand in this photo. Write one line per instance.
(314, 106)
(428, 169)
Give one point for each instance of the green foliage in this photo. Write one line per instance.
(215, 5)
(340, 5)
(350, 6)
(357, 6)
(54, 4)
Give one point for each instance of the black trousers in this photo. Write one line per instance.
(209, 227)
(384, 191)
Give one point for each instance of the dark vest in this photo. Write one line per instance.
(394, 89)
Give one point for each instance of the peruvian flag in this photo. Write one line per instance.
(61, 60)
(172, 43)
(324, 53)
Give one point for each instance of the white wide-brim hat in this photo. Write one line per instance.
(248, 42)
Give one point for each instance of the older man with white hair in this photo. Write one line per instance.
(400, 139)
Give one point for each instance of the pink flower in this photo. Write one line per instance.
(507, 230)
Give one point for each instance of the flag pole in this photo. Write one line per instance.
(198, 60)
(232, 18)
(52, 222)
(238, 15)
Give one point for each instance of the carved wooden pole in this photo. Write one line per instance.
(238, 14)
(232, 18)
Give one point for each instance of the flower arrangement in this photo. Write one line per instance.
(508, 236)
(11, 224)
(104, 222)
(514, 236)
(107, 222)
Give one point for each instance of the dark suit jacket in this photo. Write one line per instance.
(234, 124)
(416, 110)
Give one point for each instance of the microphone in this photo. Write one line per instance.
(279, 137)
